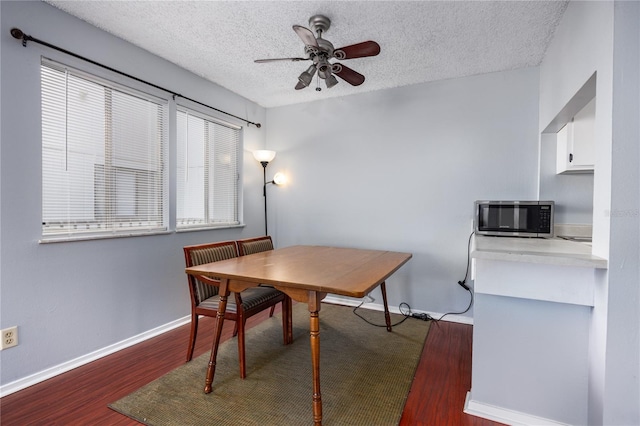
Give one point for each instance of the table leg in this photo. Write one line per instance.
(314, 337)
(290, 321)
(387, 317)
(222, 307)
(287, 321)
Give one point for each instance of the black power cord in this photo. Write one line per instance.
(406, 315)
(425, 316)
(420, 316)
(463, 283)
(461, 312)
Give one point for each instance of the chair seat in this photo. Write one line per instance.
(251, 298)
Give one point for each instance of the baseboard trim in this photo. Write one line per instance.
(350, 301)
(43, 375)
(503, 415)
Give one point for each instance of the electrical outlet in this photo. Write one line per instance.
(369, 299)
(9, 337)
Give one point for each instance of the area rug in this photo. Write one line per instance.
(365, 376)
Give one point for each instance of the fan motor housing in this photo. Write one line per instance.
(319, 23)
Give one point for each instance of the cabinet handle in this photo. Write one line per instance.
(570, 157)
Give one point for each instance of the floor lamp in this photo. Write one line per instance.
(264, 157)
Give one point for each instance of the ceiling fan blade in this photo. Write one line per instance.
(359, 50)
(306, 35)
(347, 74)
(262, 61)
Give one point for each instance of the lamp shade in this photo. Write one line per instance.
(331, 81)
(279, 178)
(306, 77)
(263, 155)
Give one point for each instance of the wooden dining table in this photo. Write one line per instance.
(306, 274)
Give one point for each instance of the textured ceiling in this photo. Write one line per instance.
(420, 40)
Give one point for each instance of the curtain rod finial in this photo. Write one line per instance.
(17, 33)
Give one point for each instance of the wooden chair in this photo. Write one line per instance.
(240, 306)
(254, 245)
(257, 245)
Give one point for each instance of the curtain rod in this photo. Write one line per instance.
(18, 34)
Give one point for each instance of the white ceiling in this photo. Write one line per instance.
(420, 40)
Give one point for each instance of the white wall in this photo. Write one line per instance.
(622, 372)
(400, 169)
(70, 299)
(585, 42)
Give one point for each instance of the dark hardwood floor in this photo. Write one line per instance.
(80, 396)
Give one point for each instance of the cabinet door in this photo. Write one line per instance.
(583, 135)
(575, 150)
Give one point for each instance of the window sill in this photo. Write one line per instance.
(69, 238)
(209, 228)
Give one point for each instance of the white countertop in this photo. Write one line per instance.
(550, 251)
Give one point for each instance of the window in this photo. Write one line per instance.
(103, 157)
(207, 171)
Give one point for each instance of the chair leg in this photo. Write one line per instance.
(273, 308)
(192, 336)
(240, 323)
(235, 329)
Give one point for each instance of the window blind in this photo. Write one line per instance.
(103, 156)
(207, 171)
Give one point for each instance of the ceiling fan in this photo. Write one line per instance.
(320, 51)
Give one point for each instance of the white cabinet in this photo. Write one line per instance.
(575, 142)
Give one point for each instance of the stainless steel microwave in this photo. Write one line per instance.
(514, 218)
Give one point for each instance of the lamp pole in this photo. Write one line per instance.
(264, 193)
(264, 157)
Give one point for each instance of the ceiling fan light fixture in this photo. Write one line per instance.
(324, 68)
(306, 77)
(331, 81)
(321, 51)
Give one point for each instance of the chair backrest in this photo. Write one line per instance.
(206, 253)
(254, 245)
